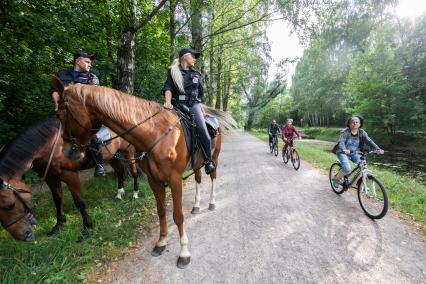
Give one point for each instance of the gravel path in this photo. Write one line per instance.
(273, 224)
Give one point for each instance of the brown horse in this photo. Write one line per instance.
(150, 128)
(33, 148)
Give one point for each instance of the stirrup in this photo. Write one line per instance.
(210, 167)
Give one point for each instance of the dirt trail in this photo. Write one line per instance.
(275, 225)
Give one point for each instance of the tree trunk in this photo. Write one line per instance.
(219, 78)
(250, 120)
(126, 53)
(227, 94)
(211, 77)
(196, 25)
(172, 29)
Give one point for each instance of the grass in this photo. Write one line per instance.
(322, 133)
(406, 194)
(60, 259)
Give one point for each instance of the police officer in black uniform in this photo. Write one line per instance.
(81, 74)
(184, 85)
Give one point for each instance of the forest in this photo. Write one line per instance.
(359, 57)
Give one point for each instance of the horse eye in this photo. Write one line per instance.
(10, 207)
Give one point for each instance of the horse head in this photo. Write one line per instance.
(78, 123)
(16, 211)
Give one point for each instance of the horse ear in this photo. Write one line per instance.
(57, 84)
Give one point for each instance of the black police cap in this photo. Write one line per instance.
(84, 54)
(184, 51)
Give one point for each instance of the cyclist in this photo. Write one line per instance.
(273, 130)
(287, 133)
(352, 140)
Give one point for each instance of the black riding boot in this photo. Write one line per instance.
(209, 166)
(97, 157)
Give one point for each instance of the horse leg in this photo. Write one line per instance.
(134, 173)
(54, 184)
(176, 186)
(119, 171)
(74, 185)
(196, 207)
(212, 204)
(160, 197)
(213, 175)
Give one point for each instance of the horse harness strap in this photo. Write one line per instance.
(27, 205)
(146, 154)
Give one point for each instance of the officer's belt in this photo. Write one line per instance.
(183, 97)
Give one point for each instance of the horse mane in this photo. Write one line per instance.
(113, 103)
(17, 153)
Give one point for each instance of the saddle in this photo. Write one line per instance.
(189, 129)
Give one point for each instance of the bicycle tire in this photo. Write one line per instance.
(295, 162)
(276, 149)
(285, 156)
(367, 205)
(334, 169)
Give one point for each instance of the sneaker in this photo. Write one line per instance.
(99, 170)
(335, 182)
(209, 167)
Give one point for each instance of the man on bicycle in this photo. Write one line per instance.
(273, 130)
(287, 133)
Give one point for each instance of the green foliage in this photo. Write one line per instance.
(362, 65)
(60, 259)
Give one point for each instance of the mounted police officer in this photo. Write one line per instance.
(184, 86)
(81, 74)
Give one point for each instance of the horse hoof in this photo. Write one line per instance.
(195, 210)
(135, 195)
(158, 250)
(183, 262)
(55, 230)
(85, 234)
(212, 206)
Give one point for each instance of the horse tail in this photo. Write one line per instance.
(226, 121)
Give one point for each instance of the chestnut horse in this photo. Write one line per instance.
(34, 147)
(152, 129)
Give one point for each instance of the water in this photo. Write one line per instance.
(401, 161)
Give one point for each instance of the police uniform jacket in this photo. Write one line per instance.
(192, 83)
(70, 76)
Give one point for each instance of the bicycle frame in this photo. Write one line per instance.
(360, 171)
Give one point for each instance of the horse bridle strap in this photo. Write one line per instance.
(27, 205)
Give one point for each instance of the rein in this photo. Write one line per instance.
(16, 191)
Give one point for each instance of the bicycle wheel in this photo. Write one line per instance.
(373, 198)
(276, 149)
(295, 160)
(334, 170)
(285, 156)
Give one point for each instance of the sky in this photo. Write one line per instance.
(284, 44)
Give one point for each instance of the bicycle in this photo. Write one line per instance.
(372, 195)
(291, 154)
(274, 146)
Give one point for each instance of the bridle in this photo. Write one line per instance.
(70, 115)
(28, 209)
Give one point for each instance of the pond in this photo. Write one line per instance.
(404, 161)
